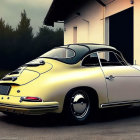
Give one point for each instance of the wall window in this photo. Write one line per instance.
(74, 34)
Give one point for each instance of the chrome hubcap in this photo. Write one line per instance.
(80, 104)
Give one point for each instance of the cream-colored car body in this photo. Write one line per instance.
(52, 81)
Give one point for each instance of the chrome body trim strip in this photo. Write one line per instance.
(123, 103)
(30, 107)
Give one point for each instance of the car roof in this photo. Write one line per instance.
(93, 46)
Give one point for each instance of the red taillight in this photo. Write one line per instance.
(32, 99)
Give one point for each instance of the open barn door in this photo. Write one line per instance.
(121, 33)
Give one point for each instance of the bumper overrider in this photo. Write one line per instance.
(14, 105)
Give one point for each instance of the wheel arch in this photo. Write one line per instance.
(90, 91)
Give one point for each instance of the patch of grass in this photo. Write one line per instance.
(3, 73)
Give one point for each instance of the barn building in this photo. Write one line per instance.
(111, 22)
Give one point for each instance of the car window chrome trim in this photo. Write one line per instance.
(96, 51)
(85, 57)
(126, 64)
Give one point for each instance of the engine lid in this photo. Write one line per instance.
(23, 78)
(27, 73)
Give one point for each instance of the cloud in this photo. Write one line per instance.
(10, 11)
(32, 3)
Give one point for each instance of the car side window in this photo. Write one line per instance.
(91, 60)
(109, 58)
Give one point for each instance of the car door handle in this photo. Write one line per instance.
(110, 77)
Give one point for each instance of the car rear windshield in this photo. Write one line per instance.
(60, 53)
(68, 54)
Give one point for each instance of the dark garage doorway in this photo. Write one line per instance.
(121, 33)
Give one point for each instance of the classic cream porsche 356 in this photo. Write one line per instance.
(74, 79)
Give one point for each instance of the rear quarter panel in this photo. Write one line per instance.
(60, 81)
(55, 84)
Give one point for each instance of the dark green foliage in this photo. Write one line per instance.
(18, 46)
(7, 40)
(24, 37)
(47, 39)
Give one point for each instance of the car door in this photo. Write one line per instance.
(123, 81)
(95, 77)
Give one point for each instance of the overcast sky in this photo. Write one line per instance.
(36, 10)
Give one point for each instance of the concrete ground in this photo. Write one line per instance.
(110, 124)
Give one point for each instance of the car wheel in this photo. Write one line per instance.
(78, 106)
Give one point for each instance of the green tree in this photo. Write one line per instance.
(24, 37)
(18, 46)
(24, 28)
(47, 39)
(2, 26)
(6, 41)
(5, 32)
